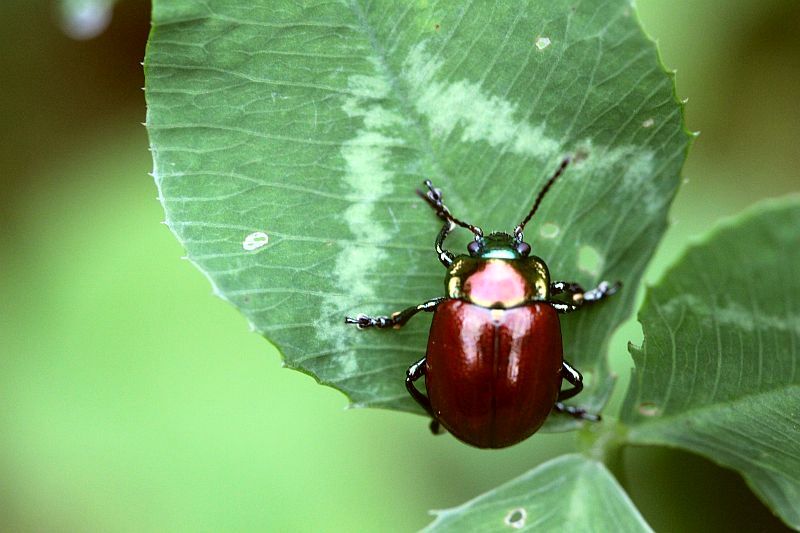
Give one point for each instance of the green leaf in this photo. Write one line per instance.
(311, 125)
(570, 493)
(719, 370)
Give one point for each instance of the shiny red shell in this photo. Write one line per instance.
(493, 375)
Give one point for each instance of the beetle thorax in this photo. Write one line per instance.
(498, 283)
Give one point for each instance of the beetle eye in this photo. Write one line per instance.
(474, 248)
(524, 249)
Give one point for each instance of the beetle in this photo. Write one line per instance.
(494, 363)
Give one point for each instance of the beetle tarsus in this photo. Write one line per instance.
(397, 319)
(603, 290)
(576, 412)
(364, 321)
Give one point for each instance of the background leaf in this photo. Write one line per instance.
(314, 123)
(570, 493)
(719, 370)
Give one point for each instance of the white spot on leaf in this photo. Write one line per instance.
(589, 260)
(254, 241)
(649, 409)
(549, 230)
(542, 43)
(648, 123)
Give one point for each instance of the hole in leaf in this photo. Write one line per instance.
(516, 518)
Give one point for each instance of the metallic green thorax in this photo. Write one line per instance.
(497, 275)
(497, 245)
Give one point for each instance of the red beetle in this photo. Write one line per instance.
(494, 365)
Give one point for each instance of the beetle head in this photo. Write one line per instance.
(498, 245)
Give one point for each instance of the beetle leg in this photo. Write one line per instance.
(576, 412)
(579, 296)
(576, 380)
(558, 287)
(564, 308)
(445, 256)
(414, 372)
(602, 290)
(397, 319)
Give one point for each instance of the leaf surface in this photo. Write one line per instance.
(570, 493)
(719, 370)
(288, 139)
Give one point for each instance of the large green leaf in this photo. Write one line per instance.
(571, 493)
(313, 123)
(719, 370)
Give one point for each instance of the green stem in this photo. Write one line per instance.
(603, 442)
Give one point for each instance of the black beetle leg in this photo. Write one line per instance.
(445, 256)
(576, 412)
(564, 308)
(414, 372)
(576, 380)
(559, 287)
(579, 296)
(397, 319)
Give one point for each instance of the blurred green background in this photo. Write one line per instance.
(131, 399)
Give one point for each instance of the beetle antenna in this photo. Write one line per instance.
(559, 171)
(434, 198)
